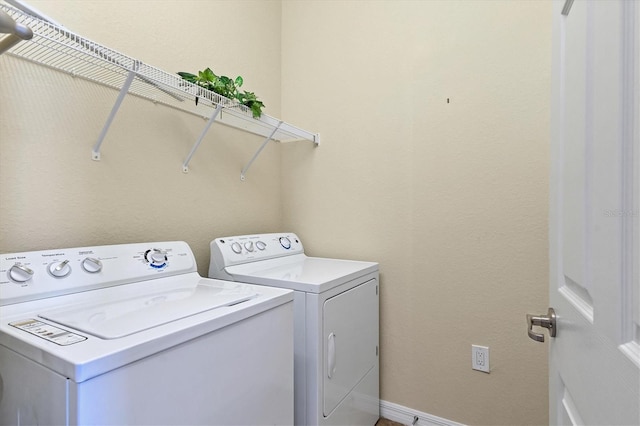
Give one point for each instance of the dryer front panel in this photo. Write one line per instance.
(350, 336)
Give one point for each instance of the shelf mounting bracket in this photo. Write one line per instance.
(567, 7)
(185, 165)
(95, 153)
(266, 141)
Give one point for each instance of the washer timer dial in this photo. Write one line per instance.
(156, 258)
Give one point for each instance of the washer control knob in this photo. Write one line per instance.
(261, 245)
(157, 258)
(249, 245)
(92, 265)
(60, 269)
(236, 247)
(20, 273)
(285, 242)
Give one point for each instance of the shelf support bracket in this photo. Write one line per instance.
(185, 165)
(95, 154)
(567, 7)
(266, 141)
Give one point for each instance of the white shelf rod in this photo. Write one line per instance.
(15, 32)
(266, 141)
(185, 165)
(95, 153)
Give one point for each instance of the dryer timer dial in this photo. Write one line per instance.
(285, 242)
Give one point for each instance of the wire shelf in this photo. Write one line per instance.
(63, 50)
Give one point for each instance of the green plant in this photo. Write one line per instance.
(250, 100)
(226, 87)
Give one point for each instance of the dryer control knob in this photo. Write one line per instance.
(20, 273)
(261, 245)
(60, 269)
(285, 242)
(237, 248)
(91, 265)
(248, 245)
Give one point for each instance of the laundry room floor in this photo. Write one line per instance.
(386, 422)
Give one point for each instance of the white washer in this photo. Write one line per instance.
(336, 322)
(131, 334)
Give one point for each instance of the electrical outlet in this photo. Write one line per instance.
(480, 358)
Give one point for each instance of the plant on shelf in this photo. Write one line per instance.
(225, 86)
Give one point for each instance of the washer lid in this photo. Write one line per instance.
(300, 272)
(120, 318)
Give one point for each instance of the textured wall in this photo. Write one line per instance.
(449, 197)
(53, 195)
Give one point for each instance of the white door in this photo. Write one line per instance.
(350, 330)
(594, 360)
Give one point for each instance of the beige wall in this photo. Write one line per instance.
(53, 195)
(450, 198)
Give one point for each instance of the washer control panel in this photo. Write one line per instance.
(48, 332)
(228, 251)
(41, 274)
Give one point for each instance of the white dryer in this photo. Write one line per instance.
(336, 322)
(131, 334)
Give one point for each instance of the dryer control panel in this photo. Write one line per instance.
(228, 251)
(41, 274)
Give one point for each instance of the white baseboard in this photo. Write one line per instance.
(406, 416)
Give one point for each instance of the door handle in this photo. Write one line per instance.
(547, 321)
(331, 358)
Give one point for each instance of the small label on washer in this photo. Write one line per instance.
(48, 332)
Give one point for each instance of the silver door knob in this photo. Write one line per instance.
(547, 321)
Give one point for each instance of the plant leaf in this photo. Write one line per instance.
(207, 75)
(256, 110)
(188, 76)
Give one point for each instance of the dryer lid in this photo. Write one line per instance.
(119, 318)
(301, 272)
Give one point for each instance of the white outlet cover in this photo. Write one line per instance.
(480, 358)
